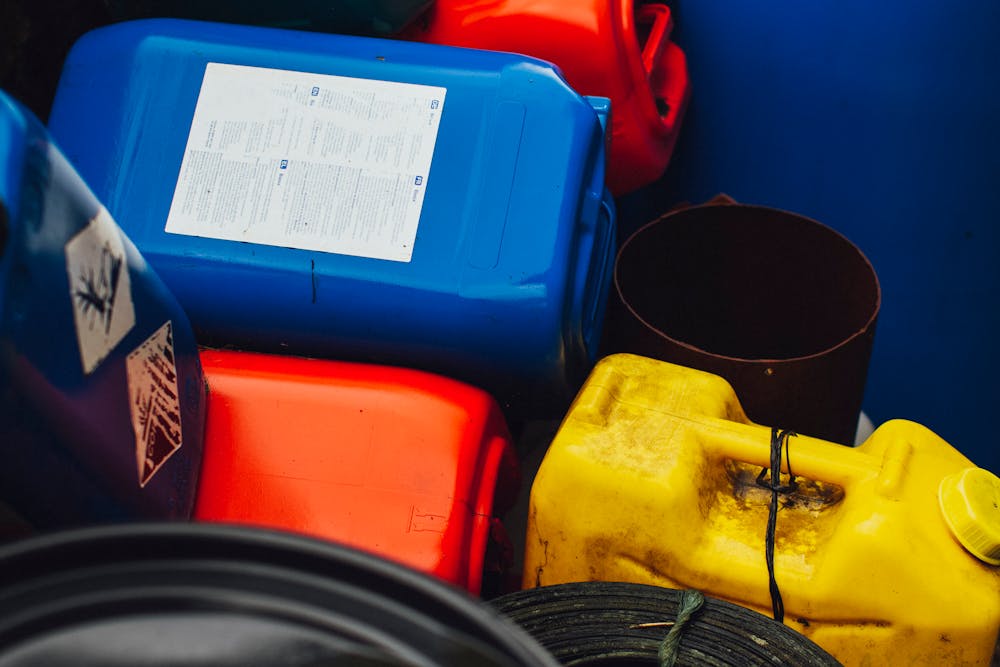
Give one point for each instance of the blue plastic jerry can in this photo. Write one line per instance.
(355, 198)
(101, 391)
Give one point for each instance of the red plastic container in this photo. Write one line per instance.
(617, 49)
(401, 463)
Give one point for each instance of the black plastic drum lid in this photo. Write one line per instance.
(593, 623)
(183, 595)
(781, 306)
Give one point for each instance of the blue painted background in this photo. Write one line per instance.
(882, 120)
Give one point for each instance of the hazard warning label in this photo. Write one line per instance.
(99, 288)
(154, 403)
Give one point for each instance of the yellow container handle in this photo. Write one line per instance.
(816, 459)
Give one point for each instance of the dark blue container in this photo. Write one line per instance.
(355, 198)
(101, 391)
(354, 17)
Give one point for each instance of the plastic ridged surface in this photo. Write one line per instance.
(152, 594)
(596, 622)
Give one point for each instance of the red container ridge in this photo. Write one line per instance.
(617, 49)
(401, 463)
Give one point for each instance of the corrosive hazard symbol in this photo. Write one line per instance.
(99, 288)
(155, 408)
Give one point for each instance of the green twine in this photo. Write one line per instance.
(691, 601)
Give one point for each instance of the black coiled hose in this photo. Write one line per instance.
(607, 623)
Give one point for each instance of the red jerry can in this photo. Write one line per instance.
(401, 463)
(619, 49)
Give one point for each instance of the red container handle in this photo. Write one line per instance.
(664, 63)
(659, 34)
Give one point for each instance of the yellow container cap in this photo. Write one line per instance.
(970, 503)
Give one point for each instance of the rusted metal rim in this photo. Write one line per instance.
(781, 306)
(864, 326)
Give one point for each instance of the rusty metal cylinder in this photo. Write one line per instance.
(781, 306)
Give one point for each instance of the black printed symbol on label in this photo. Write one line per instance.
(156, 419)
(97, 287)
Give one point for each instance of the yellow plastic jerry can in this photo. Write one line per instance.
(884, 554)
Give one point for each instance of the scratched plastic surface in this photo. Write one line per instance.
(652, 479)
(402, 463)
(101, 393)
(508, 278)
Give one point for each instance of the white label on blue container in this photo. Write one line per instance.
(310, 161)
(100, 289)
(154, 402)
